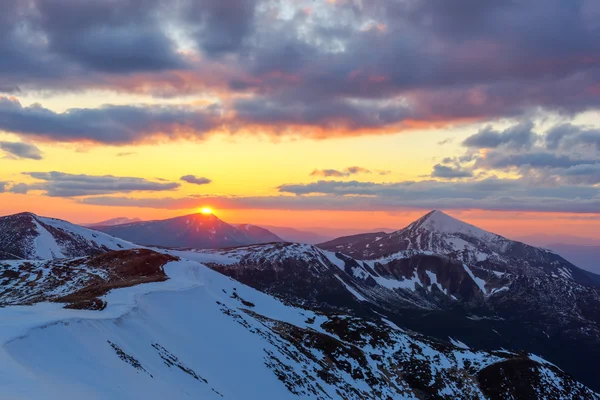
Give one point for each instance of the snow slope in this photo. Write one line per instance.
(202, 335)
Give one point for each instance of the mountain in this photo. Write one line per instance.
(584, 256)
(28, 236)
(546, 239)
(191, 332)
(285, 320)
(297, 235)
(531, 295)
(441, 234)
(194, 230)
(114, 221)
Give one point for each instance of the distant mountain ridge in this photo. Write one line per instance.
(298, 235)
(199, 231)
(114, 221)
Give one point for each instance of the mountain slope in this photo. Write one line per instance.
(235, 342)
(196, 231)
(584, 256)
(28, 236)
(436, 295)
(538, 299)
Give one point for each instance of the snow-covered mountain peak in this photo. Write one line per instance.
(438, 221)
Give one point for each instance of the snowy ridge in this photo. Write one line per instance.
(28, 236)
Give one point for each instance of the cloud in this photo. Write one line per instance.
(122, 36)
(325, 114)
(562, 154)
(501, 160)
(518, 136)
(447, 172)
(60, 184)
(9, 89)
(21, 150)
(3, 186)
(125, 153)
(19, 188)
(320, 68)
(195, 180)
(220, 26)
(345, 172)
(489, 194)
(107, 124)
(568, 136)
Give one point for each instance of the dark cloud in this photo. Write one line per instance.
(109, 37)
(60, 184)
(563, 154)
(345, 172)
(9, 89)
(569, 136)
(220, 26)
(72, 37)
(489, 194)
(326, 114)
(358, 67)
(448, 172)
(411, 190)
(19, 188)
(195, 180)
(501, 160)
(3, 186)
(328, 173)
(21, 150)
(519, 136)
(107, 124)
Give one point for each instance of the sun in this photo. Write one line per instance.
(206, 210)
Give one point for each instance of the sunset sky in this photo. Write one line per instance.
(338, 113)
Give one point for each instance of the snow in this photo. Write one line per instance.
(458, 343)
(565, 273)
(480, 282)
(498, 290)
(333, 259)
(443, 223)
(53, 353)
(45, 246)
(397, 284)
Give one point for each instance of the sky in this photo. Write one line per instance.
(317, 113)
